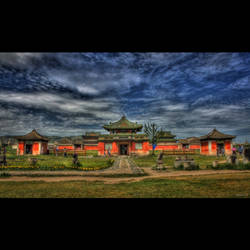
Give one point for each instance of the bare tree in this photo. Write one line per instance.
(154, 133)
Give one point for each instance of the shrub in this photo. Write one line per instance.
(193, 167)
(239, 166)
(180, 167)
(110, 162)
(77, 164)
(4, 174)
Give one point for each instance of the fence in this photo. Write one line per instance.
(69, 152)
(180, 152)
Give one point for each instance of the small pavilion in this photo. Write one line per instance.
(32, 143)
(214, 141)
(64, 143)
(190, 143)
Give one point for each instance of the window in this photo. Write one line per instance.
(108, 146)
(138, 146)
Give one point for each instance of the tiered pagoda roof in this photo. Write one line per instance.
(216, 135)
(32, 136)
(167, 136)
(77, 141)
(123, 124)
(123, 136)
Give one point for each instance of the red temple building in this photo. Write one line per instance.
(123, 139)
(69, 144)
(32, 143)
(214, 141)
(190, 143)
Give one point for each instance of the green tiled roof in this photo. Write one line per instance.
(33, 135)
(167, 134)
(123, 123)
(215, 134)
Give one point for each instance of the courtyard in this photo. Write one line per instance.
(120, 177)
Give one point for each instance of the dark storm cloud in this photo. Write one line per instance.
(70, 93)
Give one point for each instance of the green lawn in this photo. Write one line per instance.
(213, 186)
(150, 161)
(52, 162)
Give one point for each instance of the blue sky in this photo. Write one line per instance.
(71, 93)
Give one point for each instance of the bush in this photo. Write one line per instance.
(77, 164)
(4, 174)
(180, 167)
(193, 167)
(240, 166)
(110, 162)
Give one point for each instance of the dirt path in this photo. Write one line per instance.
(114, 180)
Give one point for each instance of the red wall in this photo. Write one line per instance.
(114, 149)
(195, 146)
(21, 148)
(213, 148)
(101, 148)
(228, 149)
(90, 147)
(35, 148)
(67, 147)
(204, 147)
(164, 147)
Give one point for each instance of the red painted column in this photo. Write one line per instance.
(114, 148)
(214, 147)
(228, 147)
(21, 148)
(35, 148)
(100, 148)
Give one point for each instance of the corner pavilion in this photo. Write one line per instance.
(32, 143)
(216, 140)
(124, 140)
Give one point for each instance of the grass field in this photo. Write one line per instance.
(52, 162)
(168, 160)
(210, 186)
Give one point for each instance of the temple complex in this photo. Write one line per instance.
(32, 143)
(124, 139)
(214, 141)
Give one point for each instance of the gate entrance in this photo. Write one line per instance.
(124, 149)
(28, 148)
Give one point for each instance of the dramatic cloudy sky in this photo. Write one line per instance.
(71, 93)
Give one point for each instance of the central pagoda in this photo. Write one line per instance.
(123, 139)
(123, 126)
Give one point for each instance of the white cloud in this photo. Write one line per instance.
(17, 59)
(53, 102)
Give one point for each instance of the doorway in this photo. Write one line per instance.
(28, 148)
(124, 149)
(220, 148)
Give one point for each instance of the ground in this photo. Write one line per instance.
(236, 185)
(127, 177)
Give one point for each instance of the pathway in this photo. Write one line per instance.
(112, 180)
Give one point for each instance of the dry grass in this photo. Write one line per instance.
(235, 185)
